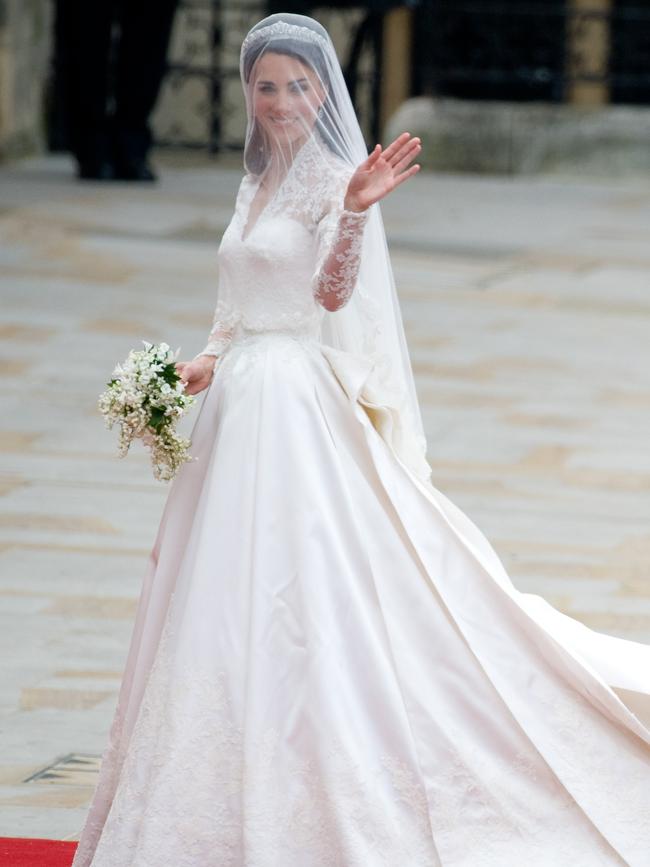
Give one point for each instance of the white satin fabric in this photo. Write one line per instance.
(329, 666)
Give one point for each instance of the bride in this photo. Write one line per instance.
(329, 666)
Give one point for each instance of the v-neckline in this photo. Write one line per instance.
(246, 232)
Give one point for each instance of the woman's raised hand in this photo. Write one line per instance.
(382, 172)
(197, 374)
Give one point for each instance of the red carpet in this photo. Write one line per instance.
(18, 852)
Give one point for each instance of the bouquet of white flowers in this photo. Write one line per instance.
(145, 396)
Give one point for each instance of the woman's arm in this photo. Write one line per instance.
(223, 326)
(340, 233)
(197, 373)
(342, 238)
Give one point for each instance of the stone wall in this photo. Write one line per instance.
(527, 138)
(25, 40)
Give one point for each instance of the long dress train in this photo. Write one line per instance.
(329, 666)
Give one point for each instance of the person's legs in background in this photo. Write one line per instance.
(141, 63)
(85, 30)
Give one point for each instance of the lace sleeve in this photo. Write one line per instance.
(340, 239)
(223, 326)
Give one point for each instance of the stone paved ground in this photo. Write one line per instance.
(527, 307)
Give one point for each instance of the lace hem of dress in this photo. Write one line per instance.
(204, 788)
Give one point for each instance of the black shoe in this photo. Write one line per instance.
(95, 170)
(134, 170)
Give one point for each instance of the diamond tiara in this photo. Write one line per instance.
(283, 28)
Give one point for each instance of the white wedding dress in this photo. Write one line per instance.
(329, 666)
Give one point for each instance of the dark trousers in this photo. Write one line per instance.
(111, 59)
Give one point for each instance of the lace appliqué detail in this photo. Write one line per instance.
(247, 352)
(112, 761)
(303, 249)
(490, 812)
(342, 243)
(210, 792)
(224, 321)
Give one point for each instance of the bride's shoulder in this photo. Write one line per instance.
(319, 180)
(338, 169)
(321, 164)
(335, 184)
(329, 178)
(248, 180)
(246, 186)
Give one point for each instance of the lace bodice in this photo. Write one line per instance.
(297, 260)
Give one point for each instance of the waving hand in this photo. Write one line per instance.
(382, 172)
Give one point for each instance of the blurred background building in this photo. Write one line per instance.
(491, 85)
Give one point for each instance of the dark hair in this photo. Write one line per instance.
(309, 54)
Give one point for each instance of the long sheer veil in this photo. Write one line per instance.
(369, 326)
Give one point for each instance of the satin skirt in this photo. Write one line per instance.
(330, 668)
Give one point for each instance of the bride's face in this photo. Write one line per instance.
(286, 97)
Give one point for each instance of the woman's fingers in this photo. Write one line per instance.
(385, 169)
(398, 153)
(394, 146)
(190, 374)
(406, 175)
(405, 152)
(195, 384)
(407, 158)
(372, 158)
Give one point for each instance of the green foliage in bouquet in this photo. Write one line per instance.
(146, 397)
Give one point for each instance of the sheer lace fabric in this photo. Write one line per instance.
(341, 240)
(318, 245)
